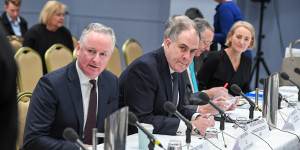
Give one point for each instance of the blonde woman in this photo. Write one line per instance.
(230, 65)
(50, 29)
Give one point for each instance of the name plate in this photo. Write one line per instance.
(203, 145)
(244, 142)
(259, 127)
(293, 121)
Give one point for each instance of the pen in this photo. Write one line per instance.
(225, 85)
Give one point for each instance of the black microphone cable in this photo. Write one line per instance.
(254, 135)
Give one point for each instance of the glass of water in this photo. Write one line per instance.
(174, 145)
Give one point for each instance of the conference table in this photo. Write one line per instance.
(276, 139)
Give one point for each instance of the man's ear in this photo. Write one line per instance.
(167, 42)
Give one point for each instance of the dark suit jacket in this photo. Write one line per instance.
(7, 26)
(56, 103)
(8, 95)
(146, 85)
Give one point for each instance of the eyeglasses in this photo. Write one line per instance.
(207, 42)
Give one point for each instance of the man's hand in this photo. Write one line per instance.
(208, 109)
(203, 122)
(217, 92)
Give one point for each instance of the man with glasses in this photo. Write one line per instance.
(156, 77)
(219, 94)
(11, 20)
(80, 95)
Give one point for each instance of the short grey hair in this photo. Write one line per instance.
(98, 28)
(176, 24)
(202, 25)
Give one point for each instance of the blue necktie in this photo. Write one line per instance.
(193, 76)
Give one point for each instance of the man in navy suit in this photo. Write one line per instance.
(146, 83)
(11, 20)
(64, 97)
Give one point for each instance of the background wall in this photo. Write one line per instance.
(280, 27)
(144, 20)
(140, 19)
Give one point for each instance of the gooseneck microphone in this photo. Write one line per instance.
(285, 76)
(237, 90)
(297, 70)
(70, 135)
(132, 119)
(171, 108)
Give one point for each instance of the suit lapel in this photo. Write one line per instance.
(166, 75)
(7, 24)
(103, 101)
(75, 92)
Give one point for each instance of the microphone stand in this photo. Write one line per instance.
(151, 144)
(222, 127)
(298, 94)
(251, 111)
(188, 136)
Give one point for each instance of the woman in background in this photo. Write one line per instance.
(230, 65)
(50, 30)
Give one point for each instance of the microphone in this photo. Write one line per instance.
(237, 90)
(70, 135)
(204, 97)
(285, 76)
(297, 70)
(171, 108)
(132, 119)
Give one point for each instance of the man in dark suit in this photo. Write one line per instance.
(8, 93)
(11, 20)
(146, 83)
(80, 95)
(206, 37)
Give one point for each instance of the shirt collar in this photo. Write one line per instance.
(82, 77)
(10, 20)
(171, 70)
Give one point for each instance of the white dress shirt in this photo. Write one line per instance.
(86, 87)
(182, 127)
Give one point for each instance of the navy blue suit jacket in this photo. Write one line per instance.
(146, 85)
(56, 104)
(7, 26)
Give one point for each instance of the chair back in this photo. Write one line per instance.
(114, 65)
(132, 49)
(23, 104)
(57, 56)
(74, 53)
(30, 68)
(75, 41)
(289, 63)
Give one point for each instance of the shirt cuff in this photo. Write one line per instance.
(195, 115)
(181, 128)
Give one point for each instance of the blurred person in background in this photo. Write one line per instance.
(11, 20)
(50, 30)
(230, 65)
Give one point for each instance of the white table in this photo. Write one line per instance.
(278, 140)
